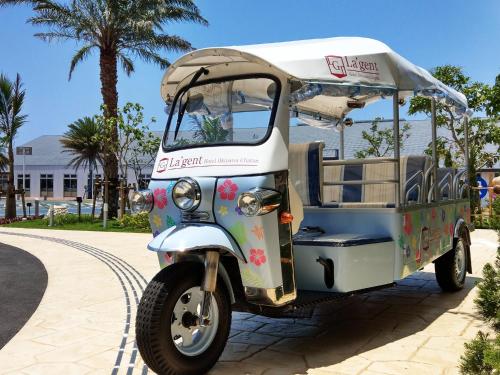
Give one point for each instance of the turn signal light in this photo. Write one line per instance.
(286, 217)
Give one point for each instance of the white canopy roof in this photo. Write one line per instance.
(347, 68)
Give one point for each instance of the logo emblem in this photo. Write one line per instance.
(162, 165)
(336, 66)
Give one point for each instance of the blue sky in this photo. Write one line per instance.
(427, 32)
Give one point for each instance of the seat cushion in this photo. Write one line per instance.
(305, 163)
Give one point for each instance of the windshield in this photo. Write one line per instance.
(223, 112)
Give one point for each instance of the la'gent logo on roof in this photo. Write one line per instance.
(343, 66)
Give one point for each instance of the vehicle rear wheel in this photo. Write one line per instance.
(451, 268)
(168, 332)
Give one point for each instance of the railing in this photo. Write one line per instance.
(358, 161)
(446, 182)
(414, 186)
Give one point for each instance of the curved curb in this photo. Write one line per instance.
(23, 280)
(128, 277)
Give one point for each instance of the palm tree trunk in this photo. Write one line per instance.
(10, 202)
(109, 80)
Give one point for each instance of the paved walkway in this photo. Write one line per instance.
(84, 324)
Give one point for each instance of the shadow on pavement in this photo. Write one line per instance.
(387, 318)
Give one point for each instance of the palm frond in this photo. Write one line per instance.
(127, 64)
(79, 56)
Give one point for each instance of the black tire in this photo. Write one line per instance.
(448, 276)
(153, 322)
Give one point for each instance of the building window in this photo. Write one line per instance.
(143, 181)
(27, 180)
(47, 185)
(4, 181)
(69, 185)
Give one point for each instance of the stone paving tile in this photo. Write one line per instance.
(404, 367)
(236, 351)
(409, 329)
(254, 338)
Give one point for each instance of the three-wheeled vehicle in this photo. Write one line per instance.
(245, 219)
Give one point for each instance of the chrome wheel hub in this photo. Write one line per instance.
(189, 337)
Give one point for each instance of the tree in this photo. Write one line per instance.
(143, 154)
(4, 161)
(130, 130)
(81, 140)
(119, 31)
(381, 141)
(11, 120)
(480, 97)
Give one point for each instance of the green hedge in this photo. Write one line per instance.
(482, 355)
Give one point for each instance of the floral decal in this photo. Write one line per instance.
(227, 191)
(433, 213)
(157, 221)
(239, 232)
(170, 221)
(257, 257)
(407, 226)
(258, 232)
(160, 196)
(170, 186)
(251, 278)
(223, 210)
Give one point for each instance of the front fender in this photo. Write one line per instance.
(194, 236)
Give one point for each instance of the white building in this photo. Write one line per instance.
(47, 172)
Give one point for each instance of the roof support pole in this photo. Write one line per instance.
(435, 160)
(466, 146)
(397, 166)
(341, 131)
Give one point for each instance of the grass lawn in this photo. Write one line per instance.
(113, 226)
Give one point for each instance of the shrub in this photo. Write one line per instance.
(482, 355)
(136, 221)
(488, 300)
(68, 219)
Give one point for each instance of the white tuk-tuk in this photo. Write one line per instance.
(243, 220)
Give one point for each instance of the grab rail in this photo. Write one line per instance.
(360, 182)
(458, 190)
(443, 184)
(359, 161)
(413, 177)
(426, 182)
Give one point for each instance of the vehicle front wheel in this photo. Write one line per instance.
(168, 331)
(451, 268)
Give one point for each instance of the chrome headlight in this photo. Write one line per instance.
(186, 194)
(141, 201)
(258, 201)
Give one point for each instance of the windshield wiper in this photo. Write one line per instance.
(183, 107)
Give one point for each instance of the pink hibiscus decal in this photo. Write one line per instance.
(257, 257)
(160, 197)
(227, 190)
(407, 225)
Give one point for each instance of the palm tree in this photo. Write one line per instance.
(11, 102)
(81, 140)
(119, 31)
